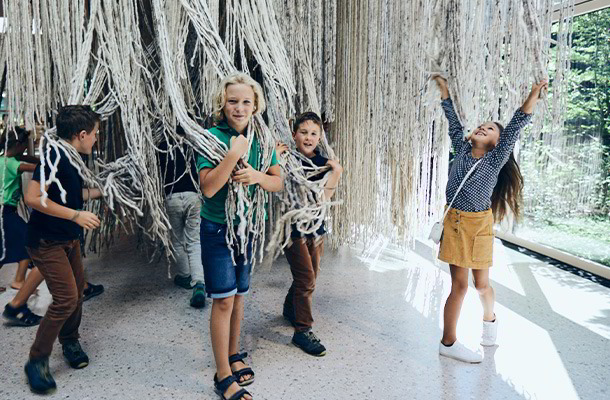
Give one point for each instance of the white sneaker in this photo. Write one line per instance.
(490, 333)
(461, 353)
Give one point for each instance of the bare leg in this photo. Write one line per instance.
(22, 268)
(453, 305)
(220, 332)
(32, 281)
(236, 318)
(486, 293)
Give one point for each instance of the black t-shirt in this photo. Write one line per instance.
(176, 167)
(319, 161)
(44, 226)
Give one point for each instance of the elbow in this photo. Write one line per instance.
(279, 186)
(29, 200)
(207, 192)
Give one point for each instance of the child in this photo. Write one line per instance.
(305, 252)
(183, 208)
(13, 225)
(239, 98)
(54, 246)
(467, 240)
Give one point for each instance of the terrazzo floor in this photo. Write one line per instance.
(377, 310)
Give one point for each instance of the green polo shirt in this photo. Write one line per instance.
(213, 208)
(11, 180)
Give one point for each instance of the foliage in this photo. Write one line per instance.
(570, 173)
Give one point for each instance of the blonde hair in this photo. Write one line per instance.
(235, 78)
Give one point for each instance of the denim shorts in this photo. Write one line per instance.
(222, 278)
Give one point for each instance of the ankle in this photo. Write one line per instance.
(489, 318)
(14, 304)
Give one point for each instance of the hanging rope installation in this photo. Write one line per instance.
(148, 66)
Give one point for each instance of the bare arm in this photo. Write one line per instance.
(211, 180)
(83, 218)
(530, 103)
(442, 86)
(26, 167)
(270, 181)
(333, 180)
(28, 159)
(91, 194)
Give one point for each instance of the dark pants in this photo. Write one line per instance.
(62, 268)
(304, 258)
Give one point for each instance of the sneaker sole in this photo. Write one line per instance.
(48, 391)
(81, 365)
(12, 321)
(459, 359)
(94, 294)
(197, 303)
(322, 354)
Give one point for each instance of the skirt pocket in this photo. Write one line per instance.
(482, 249)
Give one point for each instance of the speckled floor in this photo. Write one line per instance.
(377, 312)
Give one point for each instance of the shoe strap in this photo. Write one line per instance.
(224, 384)
(237, 357)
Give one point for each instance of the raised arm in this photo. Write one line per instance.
(506, 143)
(456, 130)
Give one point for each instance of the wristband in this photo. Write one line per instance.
(76, 214)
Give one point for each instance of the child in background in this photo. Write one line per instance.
(305, 252)
(467, 241)
(13, 225)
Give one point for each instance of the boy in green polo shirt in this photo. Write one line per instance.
(238, 99)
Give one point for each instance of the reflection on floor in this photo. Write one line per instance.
(377, 310)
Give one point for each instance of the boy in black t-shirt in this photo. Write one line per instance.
(306, 250)
(54, 229)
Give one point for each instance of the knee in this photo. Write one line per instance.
(69, 304)
(306, 286)
(459, 288)
(224, 305)
(481, 287)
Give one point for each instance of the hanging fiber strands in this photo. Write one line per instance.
(150, 66)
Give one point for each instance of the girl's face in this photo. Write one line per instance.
(239, 106)
(307, 137)
(486, 135)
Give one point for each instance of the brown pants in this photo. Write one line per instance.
(61, 266)
(304, 258)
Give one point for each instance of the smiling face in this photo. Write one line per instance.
(486, 135)
(307, 137)
(239, 106)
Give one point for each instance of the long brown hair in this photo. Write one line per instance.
(508, 189)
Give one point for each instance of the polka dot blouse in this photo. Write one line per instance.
(476, 194)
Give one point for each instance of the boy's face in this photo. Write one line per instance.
(307, 137)
(88, 139)
(239, 105)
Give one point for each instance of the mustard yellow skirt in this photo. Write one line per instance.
(468, 239)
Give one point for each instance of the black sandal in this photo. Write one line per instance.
(222, 386)
(244, 371)
(20, 316)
